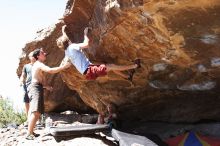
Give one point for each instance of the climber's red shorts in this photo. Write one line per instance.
(95, 71)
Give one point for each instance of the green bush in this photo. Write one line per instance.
(8, 114)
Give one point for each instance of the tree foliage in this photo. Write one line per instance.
(8, 115)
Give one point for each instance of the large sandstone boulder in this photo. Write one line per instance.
(177, 42)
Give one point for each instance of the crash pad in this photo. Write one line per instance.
(78, 130)
(127, 139)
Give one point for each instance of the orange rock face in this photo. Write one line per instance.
(177, 42)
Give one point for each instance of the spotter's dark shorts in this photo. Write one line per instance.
(36, 93)
(25, 94)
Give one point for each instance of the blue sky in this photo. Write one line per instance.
(20, 20)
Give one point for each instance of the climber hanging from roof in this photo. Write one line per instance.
(73, 51)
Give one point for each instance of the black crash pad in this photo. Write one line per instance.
(126, 139)
(77, 130)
